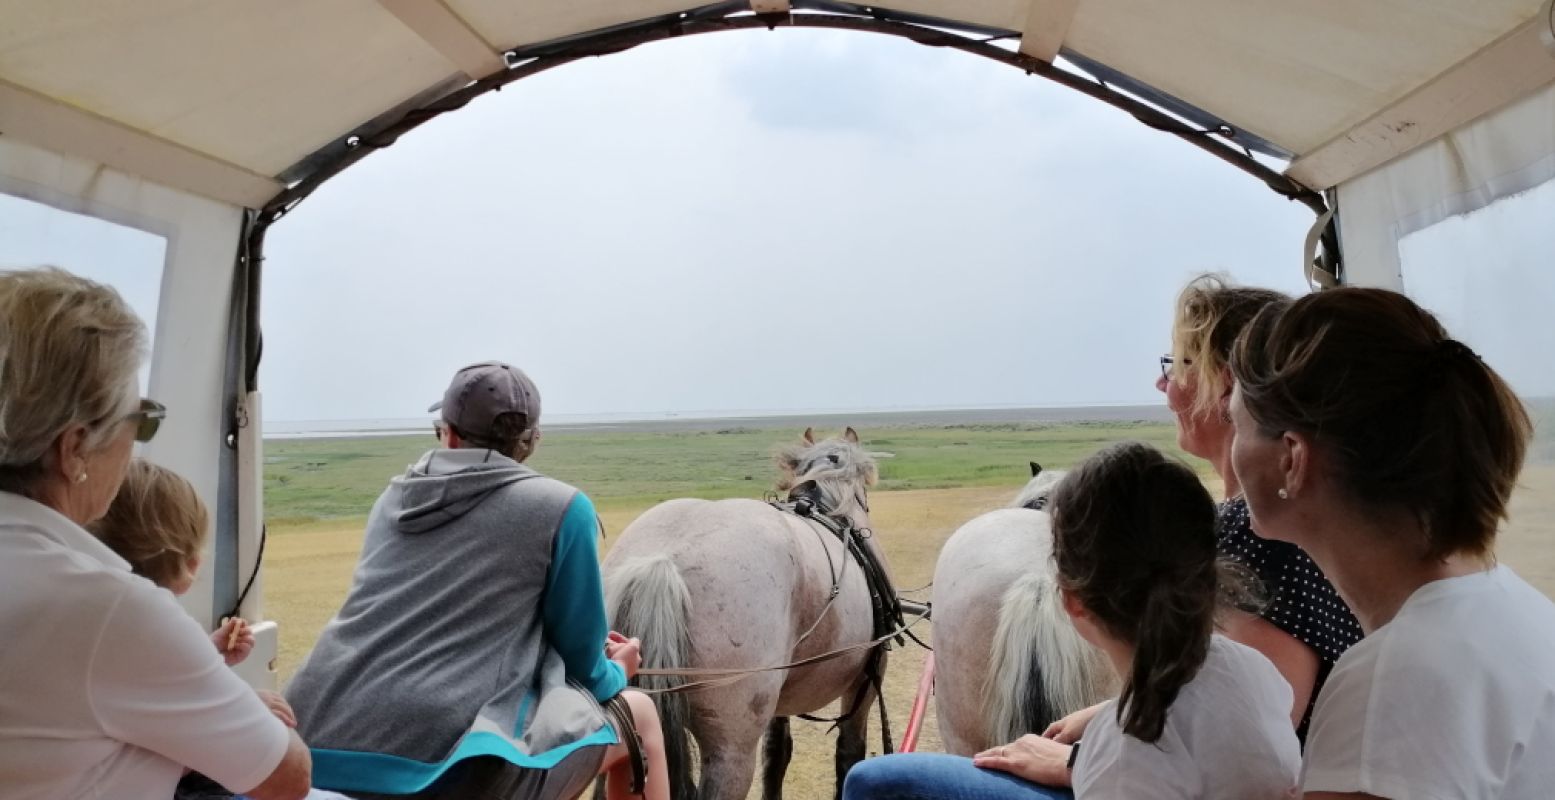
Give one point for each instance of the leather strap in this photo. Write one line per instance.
(621, 719)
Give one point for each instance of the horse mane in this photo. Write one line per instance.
(840, 470)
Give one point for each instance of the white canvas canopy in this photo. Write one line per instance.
(203, 122)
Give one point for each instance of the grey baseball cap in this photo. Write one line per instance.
(480, 393)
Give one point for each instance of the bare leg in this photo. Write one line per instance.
(617, 766)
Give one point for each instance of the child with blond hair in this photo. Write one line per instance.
(158, 524)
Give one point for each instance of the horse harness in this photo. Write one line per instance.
(806, 503)
(889, 622)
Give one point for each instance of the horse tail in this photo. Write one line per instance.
(647, 598)
(1041, 669)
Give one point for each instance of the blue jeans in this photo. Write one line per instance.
(936, 776)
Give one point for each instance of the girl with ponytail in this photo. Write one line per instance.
(1200, 716)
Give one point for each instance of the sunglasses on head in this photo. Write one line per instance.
(148, 419)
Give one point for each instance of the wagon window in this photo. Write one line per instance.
(1486, 274)
(128, 259)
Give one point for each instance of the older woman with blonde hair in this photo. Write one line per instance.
(109, 689)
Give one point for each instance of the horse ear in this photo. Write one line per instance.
(850, 435)
(809, 436)
(1036, 469)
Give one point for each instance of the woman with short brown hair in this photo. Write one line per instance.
(1388, 451)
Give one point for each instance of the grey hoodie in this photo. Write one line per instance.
(475, 625)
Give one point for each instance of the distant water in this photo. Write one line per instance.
(711, 420)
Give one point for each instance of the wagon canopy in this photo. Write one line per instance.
(234, 101)
(202, 121)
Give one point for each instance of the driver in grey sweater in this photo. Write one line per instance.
(472, 657)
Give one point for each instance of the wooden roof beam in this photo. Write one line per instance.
(1047, 23)
(449, 34)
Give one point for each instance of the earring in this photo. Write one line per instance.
(81, 478)
(1284, 495)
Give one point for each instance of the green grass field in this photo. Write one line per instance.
(312, 480)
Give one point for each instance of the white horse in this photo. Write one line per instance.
(1007, 659)
(737, 584)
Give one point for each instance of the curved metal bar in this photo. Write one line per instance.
(358, 145)
(532, 61)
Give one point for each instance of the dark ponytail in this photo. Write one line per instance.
(1134, 541)
(1170, 644)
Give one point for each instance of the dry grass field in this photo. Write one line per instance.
(308, 571)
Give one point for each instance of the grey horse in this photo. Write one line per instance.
(737, 584)
(1007, 660)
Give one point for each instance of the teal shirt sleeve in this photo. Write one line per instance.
(574, 609)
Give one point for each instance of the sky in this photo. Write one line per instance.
(790, 221)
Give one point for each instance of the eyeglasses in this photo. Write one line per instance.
(148, 419)
(1168, 360)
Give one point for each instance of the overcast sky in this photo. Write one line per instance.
(765, 221)
(803, 220)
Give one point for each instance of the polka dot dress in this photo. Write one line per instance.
(1301, 601)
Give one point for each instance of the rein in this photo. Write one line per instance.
(805, 507)
(715, 677)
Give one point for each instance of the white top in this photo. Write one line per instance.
(1228, 737)
(1454, 698)
(107, 688)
